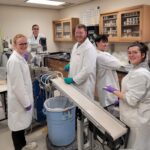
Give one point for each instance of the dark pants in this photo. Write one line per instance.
(19, 140)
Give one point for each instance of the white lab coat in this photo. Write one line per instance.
(83, 67)
(37, 59)
(20, 94)
(106, 75)
(135, 107)
(32, 39)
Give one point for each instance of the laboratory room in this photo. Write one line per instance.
(74, 75)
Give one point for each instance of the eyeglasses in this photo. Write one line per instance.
(23, 44)
(35, 28)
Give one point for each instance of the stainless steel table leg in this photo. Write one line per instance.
(80, 123)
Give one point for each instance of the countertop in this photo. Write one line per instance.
(59, 56)
(63, 56)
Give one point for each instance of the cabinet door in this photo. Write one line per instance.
(58, 31)
(131, 25)
(64, 29)
(109, 25)
(67, 30)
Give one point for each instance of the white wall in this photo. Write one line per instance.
(88, 12)
(14, 20)
(110, 5)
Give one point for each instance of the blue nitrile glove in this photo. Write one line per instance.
(110, 89)
(67, 67)
(68, 80)
(26, 56)
(28, 108)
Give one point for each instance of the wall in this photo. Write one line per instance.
(14, 20)
(110, 5)
(105, 6)
(87, 13)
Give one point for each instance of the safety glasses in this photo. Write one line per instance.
(35, 28)
(23, 44)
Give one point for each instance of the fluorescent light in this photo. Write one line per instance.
(45, 2)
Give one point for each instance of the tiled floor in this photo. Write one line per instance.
(38, 136)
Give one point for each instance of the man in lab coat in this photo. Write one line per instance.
(106, 71)
(34, 45)
(82, 68)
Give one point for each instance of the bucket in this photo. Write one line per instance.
(60, 114)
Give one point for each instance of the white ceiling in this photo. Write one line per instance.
(69, 3)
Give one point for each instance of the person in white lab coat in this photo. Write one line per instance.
(35, 37)
(20, 95)
(135, 98)
(35, 46)
(106, 71)
(82, 69)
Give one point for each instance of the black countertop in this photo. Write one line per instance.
(59, 56)
(64, 56)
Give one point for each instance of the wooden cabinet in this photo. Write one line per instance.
(63, 29)
(109, 25)
(56, 65)
(127, 25)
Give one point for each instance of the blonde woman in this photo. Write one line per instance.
(20, 96)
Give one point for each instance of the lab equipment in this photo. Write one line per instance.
(68, 80)
(5, 56)
(3, 103)
(42, 41)
(111, 130)
(39, 98)
(60, 114)
(67, 67)
(110, 89)
(42, 90)
(2, 113)
(34, 47)
(93, 31)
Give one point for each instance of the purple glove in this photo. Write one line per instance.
(26, 56)
(28, 108)
(110, 89)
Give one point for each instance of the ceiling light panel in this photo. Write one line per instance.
(46, 2)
